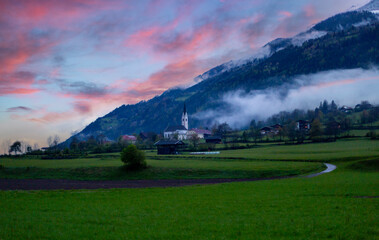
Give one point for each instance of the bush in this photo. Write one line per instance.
(372, 135)
(133, 158)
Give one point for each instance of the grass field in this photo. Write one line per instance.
(347, 149)
(175, 168)
(330, 206)
(342, 204)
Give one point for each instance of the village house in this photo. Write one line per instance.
(129, 138)
(346, 109)
(201, 133)
(273, 130)
(303, 125)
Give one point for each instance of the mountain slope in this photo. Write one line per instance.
(371, 6)
(356, 47)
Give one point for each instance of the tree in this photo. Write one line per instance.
(333, 106)
(245, 136)
(222, 130)
(56, 140)
(332, 128)
(194, 139)
(175, 136)
(325, 107)
(364, 117)
(15, 147)
(35, 146)
(256, 134)
(290, 130)
(50, 141)
(346, 124)
(29, 149)
(91, 142)
(316, 129)
(74, 145)
(133, 158)
(53, 141)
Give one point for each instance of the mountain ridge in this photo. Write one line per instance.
(255, 73)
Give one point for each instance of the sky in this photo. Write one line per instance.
(65, 63)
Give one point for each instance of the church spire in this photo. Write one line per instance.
(185, 117)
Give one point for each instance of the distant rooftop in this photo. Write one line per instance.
(174, 128)
(168, 142)
(201, 131)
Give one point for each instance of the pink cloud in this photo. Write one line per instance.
(188, 48)
(19, 45)
(285, 13)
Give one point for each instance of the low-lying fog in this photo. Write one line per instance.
(345, 87)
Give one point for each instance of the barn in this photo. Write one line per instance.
(169, 146)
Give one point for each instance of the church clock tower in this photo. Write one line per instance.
(185, 117)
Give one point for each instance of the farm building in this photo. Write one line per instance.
(169, 146)
(213, 139)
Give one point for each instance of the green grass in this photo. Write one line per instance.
(158, 169)
(342, 204)
(229, 164)
(330, 206)
(367, 165)
(347, 149)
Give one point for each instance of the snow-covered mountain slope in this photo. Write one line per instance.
(360, 17)
(372, 6)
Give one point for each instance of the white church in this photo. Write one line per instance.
(179, 130)
(182, 132)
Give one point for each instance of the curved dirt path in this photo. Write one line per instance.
(56, 184)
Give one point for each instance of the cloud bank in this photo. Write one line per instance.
(345, 87)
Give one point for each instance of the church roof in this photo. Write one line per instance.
(184, 108)
(174, 128)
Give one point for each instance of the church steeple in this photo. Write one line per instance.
(185, 117)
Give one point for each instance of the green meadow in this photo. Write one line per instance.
(173, 168)
(342, 204)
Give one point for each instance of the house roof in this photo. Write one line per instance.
(129, 138)
(168, 142)
(201, 131)
(303, 121)
(174, 128)
(266, 129)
